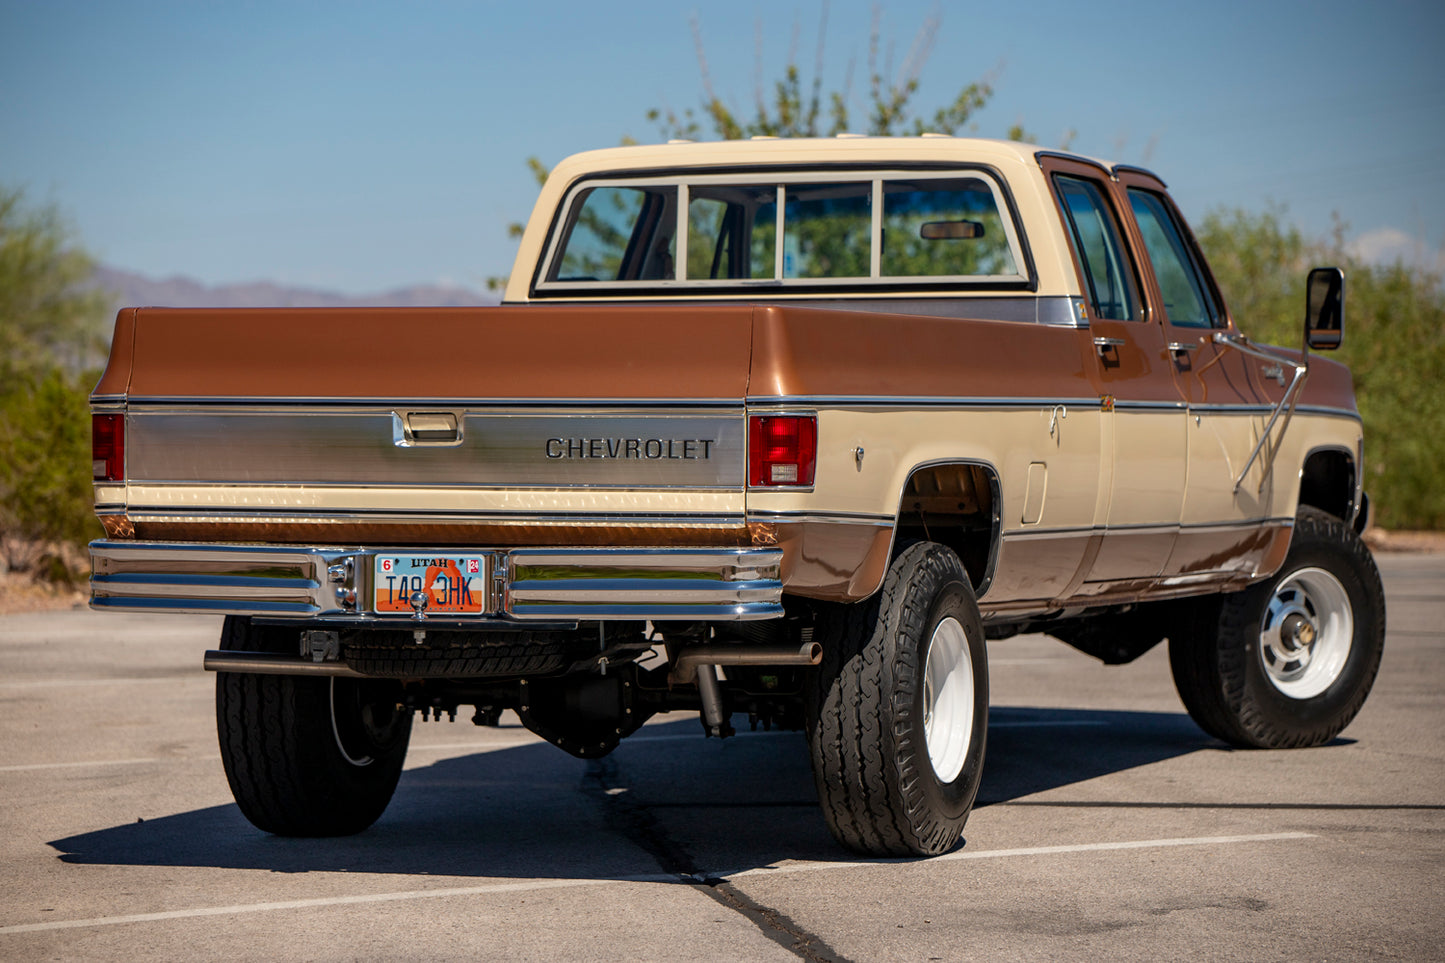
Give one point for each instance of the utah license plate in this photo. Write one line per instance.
(451, 584)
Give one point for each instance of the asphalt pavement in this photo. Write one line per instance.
(1108, 826)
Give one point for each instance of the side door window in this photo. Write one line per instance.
(1188, 302)
(1096, 246)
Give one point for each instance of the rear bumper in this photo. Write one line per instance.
(526, 585)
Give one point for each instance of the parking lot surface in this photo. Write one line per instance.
(1108, 826)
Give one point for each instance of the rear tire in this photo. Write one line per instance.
(1287, 663)
(307, 756)
(898, 710)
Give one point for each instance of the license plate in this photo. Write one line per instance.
(453, 584)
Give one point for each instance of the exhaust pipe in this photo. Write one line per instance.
(261, 663)
(685, 667)
(699, 663)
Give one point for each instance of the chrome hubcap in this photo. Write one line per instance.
(948, 699)
(1306, 633)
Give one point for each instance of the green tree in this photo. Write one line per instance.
(1394, 345)
(50, 324)
(48, 314)
(786, 109)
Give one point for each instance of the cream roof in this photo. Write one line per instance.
(1016, 161)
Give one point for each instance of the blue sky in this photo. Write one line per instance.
(363, 146)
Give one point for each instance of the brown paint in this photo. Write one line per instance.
(1035, 568)
(115, 380)
(836, 562)
(810, 352)
(600, 352)
(1329, 384)
(1237, 551)
(1126, 555)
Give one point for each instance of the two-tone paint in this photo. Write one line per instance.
(1088, 462)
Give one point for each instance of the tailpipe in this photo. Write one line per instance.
(262, 663)
(684, 668)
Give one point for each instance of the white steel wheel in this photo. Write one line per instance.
(1289, 661)
(1306, 633)
(897, 712)
(948, 700)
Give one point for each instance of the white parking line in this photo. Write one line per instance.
(522, 887)
(333, 901)
(75, 765)
(50, 683)
(1041, 723)
(813, 867)
(1023, 660)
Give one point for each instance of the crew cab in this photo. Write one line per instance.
(787, 428)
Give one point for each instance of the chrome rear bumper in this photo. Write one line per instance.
(334, 584)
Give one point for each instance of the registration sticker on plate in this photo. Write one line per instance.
(454, 584)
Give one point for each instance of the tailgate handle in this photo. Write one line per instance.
(426, 428)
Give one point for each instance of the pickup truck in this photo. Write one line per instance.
(783, 428)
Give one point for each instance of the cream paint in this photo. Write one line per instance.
(259, 499)
(1015, 161)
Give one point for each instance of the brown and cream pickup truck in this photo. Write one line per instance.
(783, 428)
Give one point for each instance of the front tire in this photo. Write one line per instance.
(307, 756)
(1288, 663)
(898, 710)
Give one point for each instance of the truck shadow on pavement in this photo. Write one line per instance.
(666, 801)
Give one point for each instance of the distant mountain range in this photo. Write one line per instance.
(136, 290)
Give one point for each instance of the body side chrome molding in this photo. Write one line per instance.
(1193, 528)
(915, 401)
(821, 517)
(563, 405)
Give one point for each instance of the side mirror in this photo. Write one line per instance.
(1325, 309)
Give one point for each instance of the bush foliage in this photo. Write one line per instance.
(45, 479)
(49, 329)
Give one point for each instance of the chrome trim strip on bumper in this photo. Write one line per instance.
(729, 584)
(530, 585)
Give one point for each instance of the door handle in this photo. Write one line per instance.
(1102, 345)
(1177, 348)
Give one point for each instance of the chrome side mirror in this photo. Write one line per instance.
(1325, 309)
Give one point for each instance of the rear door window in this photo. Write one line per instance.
(1094, 237)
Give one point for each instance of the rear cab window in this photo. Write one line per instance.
(779, 231)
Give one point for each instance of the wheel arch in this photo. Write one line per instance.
(1330, 480)
(956, 502)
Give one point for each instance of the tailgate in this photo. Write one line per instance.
(520, 425)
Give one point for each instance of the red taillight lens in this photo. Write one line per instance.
(107, 447)
(782, 450)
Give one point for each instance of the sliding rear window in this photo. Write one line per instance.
(781, 231)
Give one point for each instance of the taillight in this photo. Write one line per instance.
(107, 447)
(782, 450)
